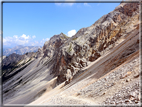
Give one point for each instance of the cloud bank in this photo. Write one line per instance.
(25, 40)
(65, 4)
(86, 4)
(71, 33)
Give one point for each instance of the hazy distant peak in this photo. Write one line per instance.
(20, 50)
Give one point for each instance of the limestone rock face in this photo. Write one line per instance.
(92, 42)
(50, 49)
(99, 63)
(88, 44)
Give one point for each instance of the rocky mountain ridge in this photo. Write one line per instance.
(82, 69)
(90, 43)
(20, 50)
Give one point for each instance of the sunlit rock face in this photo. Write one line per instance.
(93, 42)
(95, 66)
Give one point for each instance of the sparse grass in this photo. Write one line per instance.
(61, 37)
(29, 60)
(74, 38)
(86, 34)
(19, 62)
(65, 36)
(70, 48)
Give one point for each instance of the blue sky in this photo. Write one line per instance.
(34, 23)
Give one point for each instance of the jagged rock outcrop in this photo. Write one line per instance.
(90, 43)
(50, 49)
(95, 66)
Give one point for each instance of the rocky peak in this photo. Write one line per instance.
(102, 60)
(93, 42)
(56, 41)
(51, 47)
(88, 44)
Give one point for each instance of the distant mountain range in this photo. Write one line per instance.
(20, 50)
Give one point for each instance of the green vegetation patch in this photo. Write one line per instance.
(70, 48)
(29, 60)
(65, 36)
(74, 38)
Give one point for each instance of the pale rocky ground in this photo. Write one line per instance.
(100, 65)
(119, 86)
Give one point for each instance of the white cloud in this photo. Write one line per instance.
(39, 43)
(36, 41)
(15, 36)
(68, 4)
(25, 37)
(33, 36)
(58, 4)
(65, 4)
(4, 40)
(47, 39)
(17, 40)
(71, 33)
(86, 4)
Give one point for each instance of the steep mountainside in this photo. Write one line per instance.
(14, 61)
(20, 50)
(98, 65)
